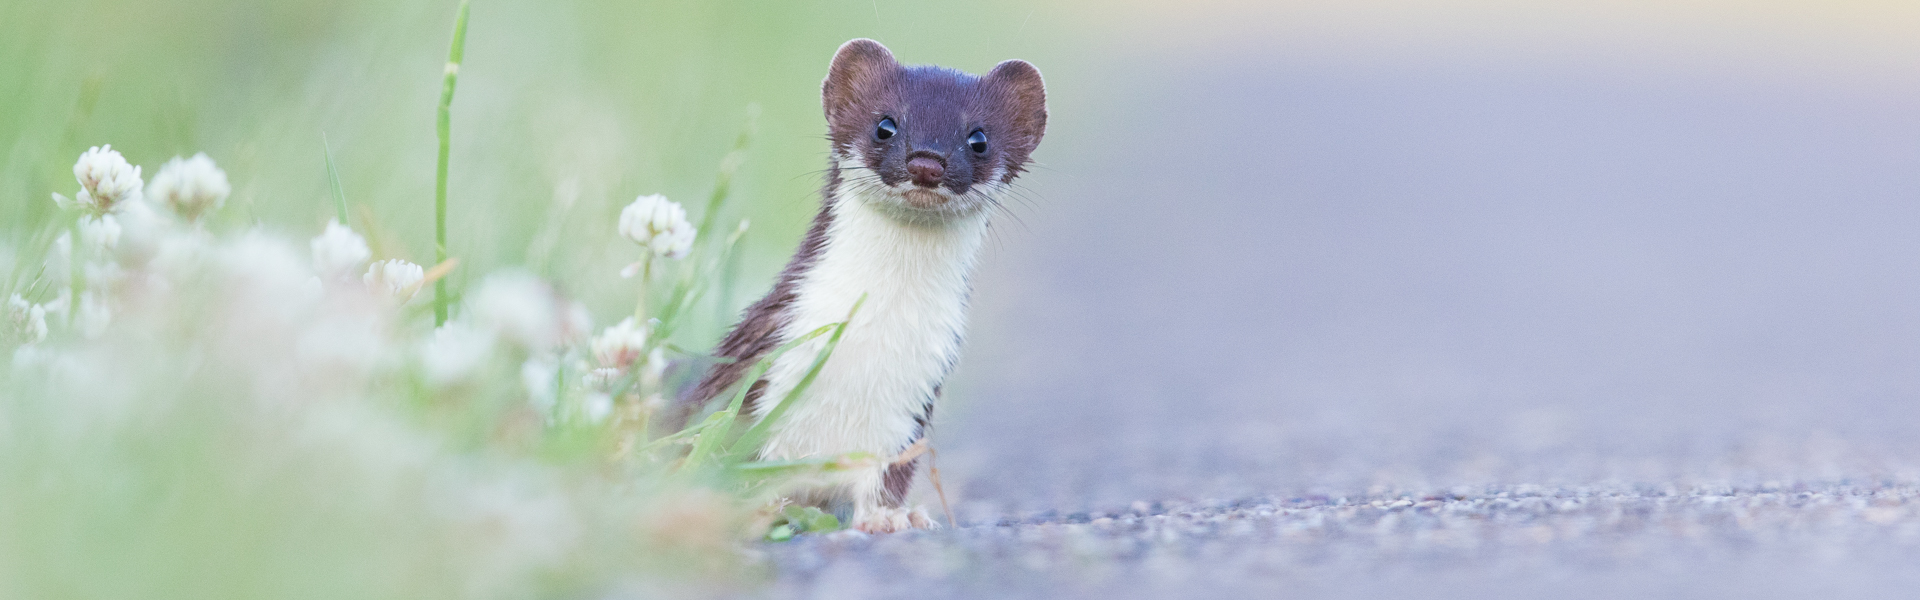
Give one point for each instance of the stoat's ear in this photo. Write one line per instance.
(1023, 97)
(858, 65)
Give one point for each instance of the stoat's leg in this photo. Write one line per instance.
(919, 518)
(878, 502)
(888, 519)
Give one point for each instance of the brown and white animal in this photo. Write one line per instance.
(921, 155)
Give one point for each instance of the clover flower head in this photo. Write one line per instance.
(190, 186)
(659, 225)
(104, 274)
(600, 378)
(144, 232)
(99, 232)
(596, 406)
(656, 369)
(94, 315)
(574, 320)
(27, 320)
(339, 251)
(397, 279)
(454, 352)
(619, 346)
(540, 375)
(260, 273)
(106, 179)
(524, 309)
(177, 256)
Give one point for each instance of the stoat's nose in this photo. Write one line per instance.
(926, 171)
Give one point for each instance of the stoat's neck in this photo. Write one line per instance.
(876, 391)
(893, 258)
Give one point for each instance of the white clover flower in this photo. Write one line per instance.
(517, 306)
(522, 308)
(659, 225)
(100, 233)
(574, 320)
(342, 343)
(145, 233)
(655, 370)
(28, 320)
(31, 356)
(106, 179)
(541, 374)
(601, 378)
(191, 187)
(263, 275)
(94, 315)
(178, 256)
(59, 261)
(620, 346)
(397, 279)
(62, 301)
(101, 275)
(454, 352)
(596, 406)
(339, 252)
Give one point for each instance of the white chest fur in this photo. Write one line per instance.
(898, 348)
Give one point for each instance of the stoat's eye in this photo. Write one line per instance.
(977, 142)
(886, 129)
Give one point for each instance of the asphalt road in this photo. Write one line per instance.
(1520, 541)
(1436, 331)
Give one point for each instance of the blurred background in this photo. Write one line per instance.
(1413, 245)
(1269, 247)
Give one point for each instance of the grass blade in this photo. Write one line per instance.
(729, 266)
(822, 463)
(709, 432)
(333, 181)
(713, 433)
(751, 440)
(444, 126)
(689, 290)
(723, 182)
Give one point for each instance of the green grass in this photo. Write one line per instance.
(185, 478)
(444, 125)
(230, 438)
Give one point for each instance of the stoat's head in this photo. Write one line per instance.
(927, 142)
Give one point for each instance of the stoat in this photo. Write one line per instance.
(920, 155)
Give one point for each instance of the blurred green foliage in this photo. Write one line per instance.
(566, 111)
(182, 476)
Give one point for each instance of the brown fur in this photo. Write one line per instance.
(935, 108)
(758, 332)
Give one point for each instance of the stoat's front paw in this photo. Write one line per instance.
(882, 519)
